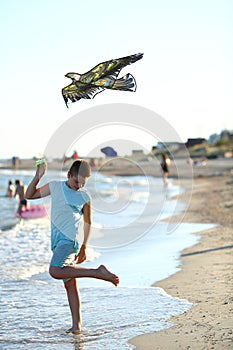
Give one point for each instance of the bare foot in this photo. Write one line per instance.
(104, 274)
(74, 330)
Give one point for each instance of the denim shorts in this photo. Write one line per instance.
(64, 254)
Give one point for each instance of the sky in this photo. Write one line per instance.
(185, 76)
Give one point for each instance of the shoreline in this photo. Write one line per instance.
(205, 278)
(123, 166)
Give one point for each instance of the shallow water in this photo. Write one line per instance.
(110, 315)
(136, 245)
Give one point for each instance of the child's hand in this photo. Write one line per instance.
(40, 170)
(81, 257)
(40, 162)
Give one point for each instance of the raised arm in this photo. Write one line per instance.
(34, 192)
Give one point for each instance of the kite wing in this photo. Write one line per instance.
(111, 68)
(101, 77)
(74, 92)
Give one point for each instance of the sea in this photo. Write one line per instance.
(129, 236)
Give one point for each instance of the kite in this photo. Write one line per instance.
(101, 77)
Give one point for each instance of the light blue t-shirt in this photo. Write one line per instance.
(66, 209)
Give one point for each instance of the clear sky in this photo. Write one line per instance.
(186, 75)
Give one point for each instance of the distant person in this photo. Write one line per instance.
(10, 189)
(75, 155)
(65, 159)
(190, 161)
(15, 162)
(69, 203)
(20, 191)
(165, 165)
(94, 162)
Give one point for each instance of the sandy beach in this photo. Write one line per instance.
(206, 275)
(206, 270)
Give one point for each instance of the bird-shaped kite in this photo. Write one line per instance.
(101, 77)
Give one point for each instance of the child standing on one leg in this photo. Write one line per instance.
(69, 203)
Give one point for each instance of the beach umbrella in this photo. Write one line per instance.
(109, 151)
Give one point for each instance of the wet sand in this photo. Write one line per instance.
(206, 275)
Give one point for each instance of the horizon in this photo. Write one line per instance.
(145, 150)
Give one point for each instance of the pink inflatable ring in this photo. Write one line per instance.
(33, 212)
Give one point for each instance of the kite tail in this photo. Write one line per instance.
(126, 83)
